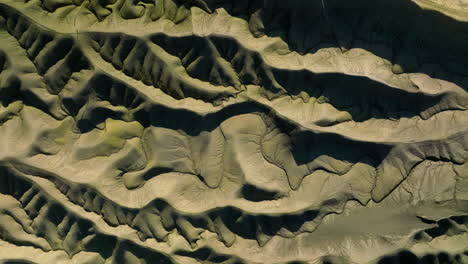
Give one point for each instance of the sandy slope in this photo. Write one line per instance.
(215, 131)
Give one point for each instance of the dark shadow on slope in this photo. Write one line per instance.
(403, 256)
(256, 194)
(360, 96)
(398, 30)
(407, 257)
(207, 255)
(138, 60)
(363, 98)
(238, 222)
(87, 237)
(308, 146)
(56, 56)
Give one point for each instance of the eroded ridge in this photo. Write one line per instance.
(172, 131)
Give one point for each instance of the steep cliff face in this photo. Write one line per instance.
(222, 131)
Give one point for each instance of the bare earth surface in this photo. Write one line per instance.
(233, 131)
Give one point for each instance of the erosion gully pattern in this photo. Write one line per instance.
(222, 131)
